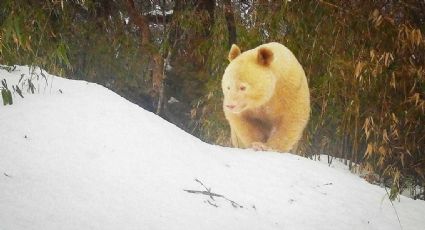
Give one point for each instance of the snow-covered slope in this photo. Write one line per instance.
(78, 156)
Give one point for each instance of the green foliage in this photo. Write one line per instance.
(6, 94)
(29, 35)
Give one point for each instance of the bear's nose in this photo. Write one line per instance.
(230, 106)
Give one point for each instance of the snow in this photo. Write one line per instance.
(158, 11)
(75, 155)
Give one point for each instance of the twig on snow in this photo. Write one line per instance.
(208, 192)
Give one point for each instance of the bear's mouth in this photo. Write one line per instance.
(235, 108)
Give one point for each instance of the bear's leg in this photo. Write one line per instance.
(283, 138)
(244, 132)
(236, 142)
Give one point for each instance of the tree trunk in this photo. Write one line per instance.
(230, 21)
(156, 62)
(206, 6)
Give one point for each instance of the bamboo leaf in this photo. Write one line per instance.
(4, 97)
(19, 91)
(9, 97)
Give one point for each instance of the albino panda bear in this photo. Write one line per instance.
(266, 98)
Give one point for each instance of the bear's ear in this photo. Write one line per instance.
(265, 56)
(234, 52)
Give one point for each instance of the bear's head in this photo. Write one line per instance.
(248, 81)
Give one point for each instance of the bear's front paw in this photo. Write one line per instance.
(259, 146)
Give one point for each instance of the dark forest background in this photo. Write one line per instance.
(365, 62)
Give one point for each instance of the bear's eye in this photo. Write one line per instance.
(228, 87)
(242, 88)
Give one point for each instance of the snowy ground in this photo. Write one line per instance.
(75, 155)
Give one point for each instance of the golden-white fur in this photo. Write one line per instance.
(266, 98)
